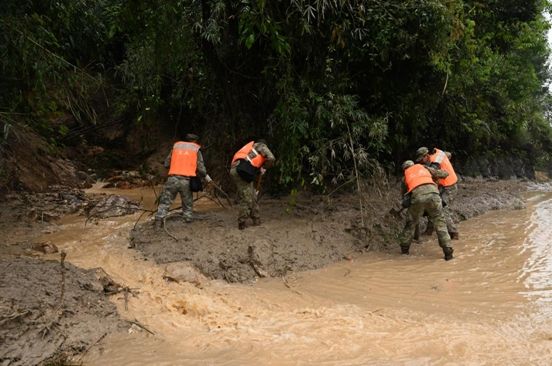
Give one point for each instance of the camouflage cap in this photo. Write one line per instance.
(407, 164)
(421, 152)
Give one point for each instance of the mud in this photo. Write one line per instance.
(40, 324)
(49, 313)
(305, 233)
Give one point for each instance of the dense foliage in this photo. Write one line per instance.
(332, 84)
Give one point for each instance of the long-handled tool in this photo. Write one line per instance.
(258, 186)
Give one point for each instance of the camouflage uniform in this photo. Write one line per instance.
(247, 194)
(447, 196)
(425, 198)
(179, 184)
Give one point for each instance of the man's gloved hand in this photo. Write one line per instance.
(209, 186)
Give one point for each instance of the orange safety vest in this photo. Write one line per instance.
(416, 176)
(440, 158)
(250, 154)
(184, 159)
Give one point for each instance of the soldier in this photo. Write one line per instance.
(447, 186)
(424, 197)
(247, 166)
(186, 163)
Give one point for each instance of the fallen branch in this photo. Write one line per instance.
(167, 231)
(223, 193)
(116, 206)
(14, 316)
(135, 322)
(137, 221)
(90, 347)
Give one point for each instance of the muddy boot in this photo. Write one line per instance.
(187, 220)
(241, 225)
(158, 224)
(256, 221)
(448, 253)
(454, 236)
(405, 250)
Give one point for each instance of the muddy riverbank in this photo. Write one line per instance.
(51, 310)
(46, 316)
(306, 233)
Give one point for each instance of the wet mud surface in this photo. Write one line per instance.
(47, 316)
(50, 312)
(307, 233)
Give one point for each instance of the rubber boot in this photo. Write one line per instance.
(256, 221)
(454, 236)
(241, 225)
(405, 250)
(448, 253)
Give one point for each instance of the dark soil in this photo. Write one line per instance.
(49, 313)
(304, 233)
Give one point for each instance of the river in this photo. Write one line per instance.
(491, 305)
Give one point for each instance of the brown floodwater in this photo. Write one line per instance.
(491, 305)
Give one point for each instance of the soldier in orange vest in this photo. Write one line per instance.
(185, 163)
(419, 183)
(247, 164)
(447, 187)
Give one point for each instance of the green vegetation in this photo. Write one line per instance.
(332, 84)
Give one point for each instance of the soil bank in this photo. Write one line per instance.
(305, 233)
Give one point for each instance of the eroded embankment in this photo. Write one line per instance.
(305, 234)
(50, 311)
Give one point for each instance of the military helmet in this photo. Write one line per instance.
(407, 164)
(421, 152)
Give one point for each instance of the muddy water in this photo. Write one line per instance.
(491, 305)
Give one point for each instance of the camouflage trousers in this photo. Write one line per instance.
(173, 186)
(247, 197)
(448, 195)
(429, 203)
